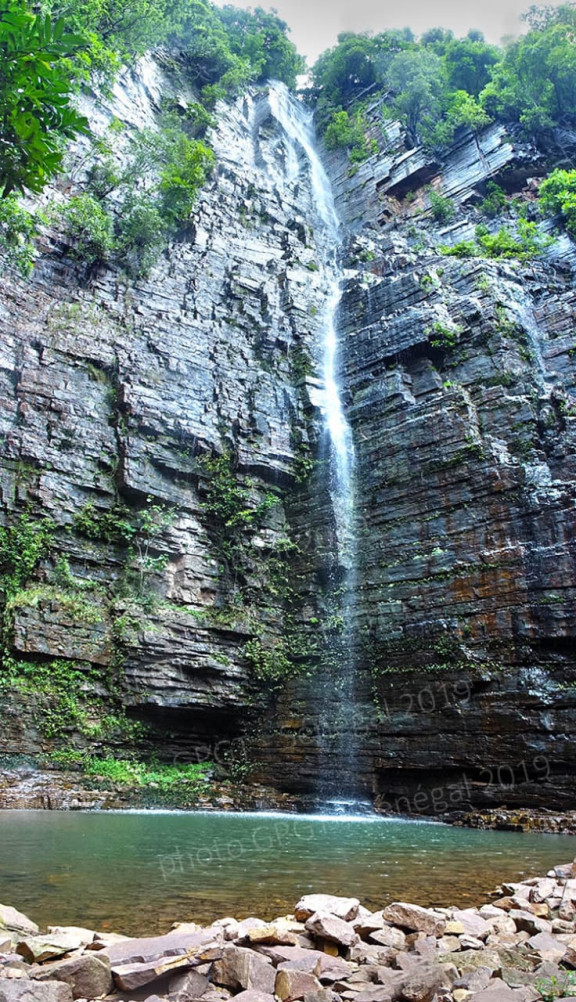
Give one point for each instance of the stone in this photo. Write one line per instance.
(242, 968)
(528, 922)
(37, 949)
(336, 930)
(342, 908)
(89, 976)
(292, 984)
(323, 995)
(35, 991)
(83, 936)
(454, 928)
(129, 977)
(544, 889)
(413, 917)
(251, 995)
(366, 924)
(274, 932)
(547, 946)
(473, 923)
(154, 948)
(422, 985)
(389, 936)
(449, 944)
(470, 943)
(16, 921)
(188, 986)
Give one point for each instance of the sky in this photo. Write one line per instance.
(315, 24)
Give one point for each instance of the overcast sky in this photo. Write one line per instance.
(316, 23)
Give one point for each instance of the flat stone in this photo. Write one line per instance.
(545, 888)
(473, 923)
(274, 932)
(366, 924)
(36, 949)
(342, 908)
(322, 995)
(389, 936)
(89, 976)
(16, 921)
(83, 936)
(35, 991)
(329, 927)
(547, 946)
(471, 943)
(250, 995)
(292, 984)
(413, 917)
(153, 948)
(128, 977)
(454, 928)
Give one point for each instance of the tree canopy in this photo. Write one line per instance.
(35, 87)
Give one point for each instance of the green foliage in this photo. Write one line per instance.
(260, 39)
(419, 79)
(495, 201)
(270, 663)
(18, 228)
(188, 164)
(349, 132)
(35, 86)
(442, 336)
(442, 207)
(554, 987)
(23, 544)
(192, 777)
(90, 227)
(142, 232)
(228, 503)
(524, 245)
(558, 197)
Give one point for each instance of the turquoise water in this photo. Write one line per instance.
(139, 872)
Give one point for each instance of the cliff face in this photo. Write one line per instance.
(459, 382)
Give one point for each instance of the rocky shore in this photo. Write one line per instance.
(521, 946)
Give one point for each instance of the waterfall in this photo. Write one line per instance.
(337, 741)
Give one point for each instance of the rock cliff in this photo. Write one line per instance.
(201, 383)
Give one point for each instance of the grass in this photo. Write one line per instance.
(131, 772)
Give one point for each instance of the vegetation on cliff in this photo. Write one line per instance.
(438, 83)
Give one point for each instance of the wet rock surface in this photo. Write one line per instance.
(440, 954)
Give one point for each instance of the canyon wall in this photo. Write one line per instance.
(458, 378)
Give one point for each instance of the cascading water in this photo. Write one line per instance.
(337, 744)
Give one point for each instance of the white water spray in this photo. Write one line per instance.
(296, 122)
(336, 692)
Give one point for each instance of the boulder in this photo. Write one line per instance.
(15, 921)
(292, 984)
(37, 949)
(154, 948)
(342, 908)
(336, 930)
(188, 986)
(35, 991)
(473, 923)
(128, 977)
(547, 946)
(89, 976)
(246, 969)
(389, 935)
(413, 917)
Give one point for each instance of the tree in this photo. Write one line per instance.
(419, 81)
(468, 63)
(35, 88)
(262, 39)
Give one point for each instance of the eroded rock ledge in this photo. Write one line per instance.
(331, 949)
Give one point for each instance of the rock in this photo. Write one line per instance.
(89, 976)
(499, 992)
(323, 995)
(461, 995)
(389, 936)
(366, 924)
(413, 917)
(129, 977)
(342, 908)
(247, 925)
(370, 953)
(336, 930)
(422, 985)
(470, 943)
(251, 995)
(292, 984)
(154, 948)
(37, 949)
(474, 981)
(543, 889)
(528, 922)
(83, 936)
(242, 968)
(473, 923)
(454, 928)
(449, 944)
(35, 991)
(558, 925)
(374, 993)
(275, 932)
(547, 946)
(188, 986)
(15, 921)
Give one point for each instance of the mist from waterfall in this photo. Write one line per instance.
(337, 741)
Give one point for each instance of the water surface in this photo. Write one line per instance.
(139, 872)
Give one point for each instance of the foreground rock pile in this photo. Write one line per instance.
(520, 947)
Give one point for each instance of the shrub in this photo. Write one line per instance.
(558, 197)
(18, 229)
(495, 201)
(442, 208)
(91, 229)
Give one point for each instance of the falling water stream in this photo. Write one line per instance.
(338, 751)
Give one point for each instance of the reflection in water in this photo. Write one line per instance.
(138, 873)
